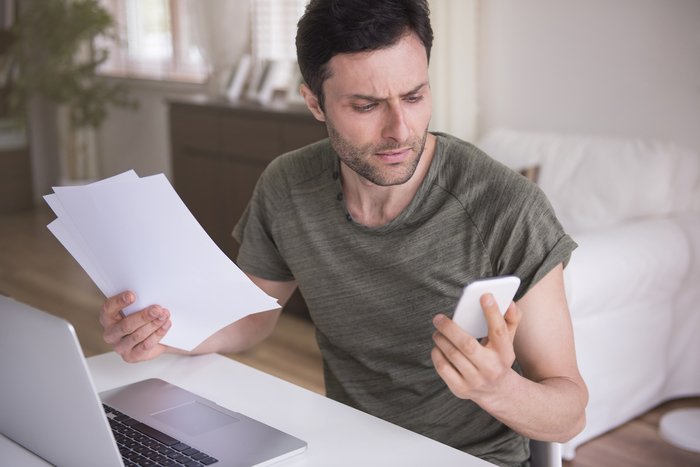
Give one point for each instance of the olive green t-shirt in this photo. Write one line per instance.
(372, 292)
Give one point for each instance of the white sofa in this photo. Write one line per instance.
(633, 284)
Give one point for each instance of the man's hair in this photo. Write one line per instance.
(332, 27)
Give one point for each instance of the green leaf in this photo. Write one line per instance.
(43, 60)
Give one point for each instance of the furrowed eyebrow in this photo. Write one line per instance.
(376, 99)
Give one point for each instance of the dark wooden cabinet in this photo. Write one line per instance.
(15, 180)
(16, 192)
(219, 151)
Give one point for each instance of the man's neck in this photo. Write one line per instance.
(375, 205)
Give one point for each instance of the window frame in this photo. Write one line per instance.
(175, 68)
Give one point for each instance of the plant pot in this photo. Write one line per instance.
(78, 151)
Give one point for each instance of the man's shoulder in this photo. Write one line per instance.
(302, 164)
(464, 168)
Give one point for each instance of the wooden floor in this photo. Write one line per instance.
(35, 269)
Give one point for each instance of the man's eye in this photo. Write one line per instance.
(413, 99)
(365, 108)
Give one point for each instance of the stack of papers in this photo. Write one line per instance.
(135, 234)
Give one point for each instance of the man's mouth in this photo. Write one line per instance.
(394, 157)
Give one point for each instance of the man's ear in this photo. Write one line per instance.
(312, 102)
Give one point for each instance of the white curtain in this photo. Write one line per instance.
(221, 30)
(453, 67)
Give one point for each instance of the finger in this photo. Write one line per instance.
(137, 326)
(457, 382)
(113, 305)
(498, 335)
(151, 347)
(457, 337)
(513, 317)
(444, 368)
(453, 354)
(127, 344)
(140, 334)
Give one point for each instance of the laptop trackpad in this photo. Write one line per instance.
(194, 418)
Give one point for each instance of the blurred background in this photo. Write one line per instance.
(206, 92)
(627, 68)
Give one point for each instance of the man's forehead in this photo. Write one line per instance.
(399, 69)
(409, 43)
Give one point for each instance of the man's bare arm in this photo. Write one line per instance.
(549, 402)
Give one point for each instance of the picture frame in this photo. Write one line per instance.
(275, 85)
(239, 77)
(259, 75)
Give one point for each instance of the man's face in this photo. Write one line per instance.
(377, 109)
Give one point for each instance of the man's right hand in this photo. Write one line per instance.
(135, 337)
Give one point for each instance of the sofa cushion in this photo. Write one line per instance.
(596, 182)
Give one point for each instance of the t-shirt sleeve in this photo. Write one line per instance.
(519, 228)
(258, 254)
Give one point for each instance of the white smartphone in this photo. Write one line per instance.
(469, 314)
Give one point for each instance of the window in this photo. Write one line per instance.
(274, 28)
(155, 37)
(154, 41)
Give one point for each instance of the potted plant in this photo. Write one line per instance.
(54, 54)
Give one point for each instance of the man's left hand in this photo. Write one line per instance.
(472, 368)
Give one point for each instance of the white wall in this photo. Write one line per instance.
(627, 68)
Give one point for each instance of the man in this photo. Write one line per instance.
(380, 227)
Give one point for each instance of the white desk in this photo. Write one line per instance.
(337, 435)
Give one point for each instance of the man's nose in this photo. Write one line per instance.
(395, 125)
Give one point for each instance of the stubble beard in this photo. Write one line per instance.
(360, 158)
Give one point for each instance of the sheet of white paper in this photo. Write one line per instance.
(69, 235)
(59, 231)
(147, 241)
(72, 240)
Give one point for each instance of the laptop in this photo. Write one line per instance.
(49, 405)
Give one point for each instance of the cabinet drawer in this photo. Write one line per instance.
(198, 181)
(15, 181)
(252, 138)
(195, 129)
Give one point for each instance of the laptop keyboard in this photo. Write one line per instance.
(143, 446)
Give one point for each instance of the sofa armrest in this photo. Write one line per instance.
(634, 261)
